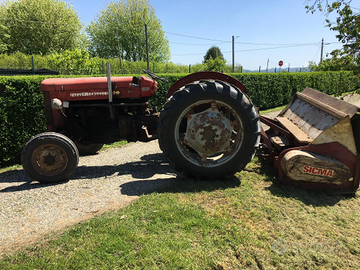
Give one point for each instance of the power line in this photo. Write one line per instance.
(239, 42)
(279, 47)
(192, 44)
(258, 49)
(202, 38)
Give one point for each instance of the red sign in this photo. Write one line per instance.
(281, 63)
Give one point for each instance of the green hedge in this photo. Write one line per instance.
(21, 102)
(21, 115)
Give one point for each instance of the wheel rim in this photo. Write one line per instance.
(49, 159)
(209, 133)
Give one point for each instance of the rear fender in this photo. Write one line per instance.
(205, 75)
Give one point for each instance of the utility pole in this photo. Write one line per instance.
(322, 50)
(121, 64)
(147, 48)
(233, 54)
(267, 66)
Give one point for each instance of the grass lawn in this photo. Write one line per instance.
(247, 222)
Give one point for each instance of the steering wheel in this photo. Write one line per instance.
(154, 76)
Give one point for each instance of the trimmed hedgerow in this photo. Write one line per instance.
(22, 113)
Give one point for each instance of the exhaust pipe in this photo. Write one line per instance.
(110, 93)
(108, 73)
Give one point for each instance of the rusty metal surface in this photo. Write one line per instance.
(341, 132)
(307, 166)
(309, 118)
(49, 159)
(334, 103)
(280, 142)
(328, 122)
(300, 135)
(312, 113)
(335, 150)
(214, 133)
(208, 132)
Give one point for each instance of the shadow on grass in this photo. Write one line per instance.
(314, 197)
(180, 185)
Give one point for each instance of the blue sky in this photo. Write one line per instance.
(275, 30)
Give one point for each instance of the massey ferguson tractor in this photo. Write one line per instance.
(208, 129)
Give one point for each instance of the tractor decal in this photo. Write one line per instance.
(318, 171)
(88, 94)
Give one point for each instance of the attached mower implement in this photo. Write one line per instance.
(208, 129)
(312, 142)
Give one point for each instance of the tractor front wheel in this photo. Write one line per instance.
(50, 157)
(209, 130)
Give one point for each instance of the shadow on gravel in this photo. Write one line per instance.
(28, 186)
(147, 167)
(151, 173)
(15, 176)
(144, 169)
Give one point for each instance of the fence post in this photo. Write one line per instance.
(259, 69)
(275, 69)
(153, 67)
(103, 68)
(241, 70)
(190, 68)
(33, 65)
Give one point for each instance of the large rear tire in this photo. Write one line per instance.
(86, 149)
(209, 130)
(50, 157)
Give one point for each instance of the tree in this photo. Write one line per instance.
(324, 5)
(348, 27)
(214, 52)
(214, 64)
(41, 26)
(4, 37)
(332, 64)
(214, 59)
(76, 62)
(120, 29)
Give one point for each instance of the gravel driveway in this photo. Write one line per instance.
(106, 181)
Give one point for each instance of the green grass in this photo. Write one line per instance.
(247, 222)
(272, 110)
(113, 145)
(11, 168)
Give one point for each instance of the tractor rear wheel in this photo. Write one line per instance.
(86, 149)
(50, 157)
(209, 130)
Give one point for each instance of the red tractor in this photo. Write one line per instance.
(208, 128)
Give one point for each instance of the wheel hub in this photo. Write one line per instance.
(208, 132)
(50, 159)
